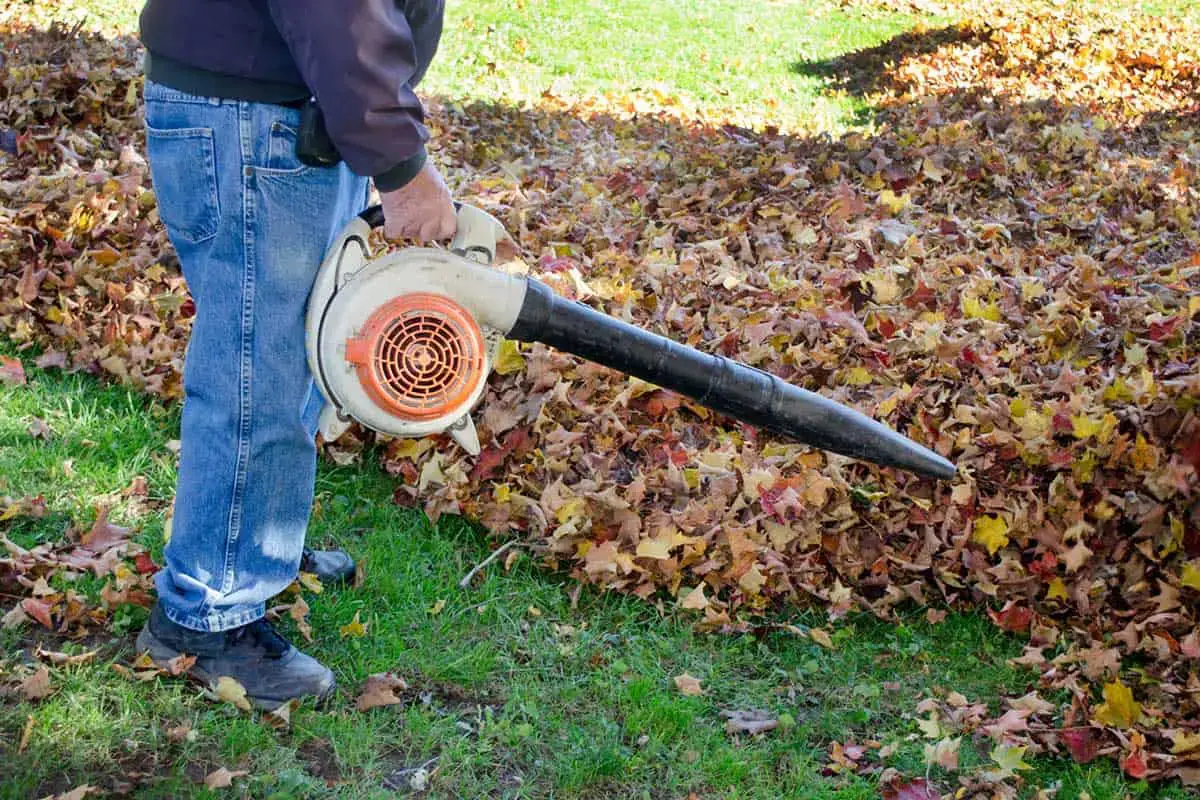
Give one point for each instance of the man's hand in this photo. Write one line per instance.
(421, 209)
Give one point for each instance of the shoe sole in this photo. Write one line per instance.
(162, 655)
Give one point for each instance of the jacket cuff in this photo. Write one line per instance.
(398, 176)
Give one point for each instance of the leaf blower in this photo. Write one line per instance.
(404, 343)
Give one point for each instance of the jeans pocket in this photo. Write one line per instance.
(183, 165)
(281, 152)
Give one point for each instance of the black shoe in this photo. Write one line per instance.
(272, 671)
(330, 566)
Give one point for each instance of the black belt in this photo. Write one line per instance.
(293, 103)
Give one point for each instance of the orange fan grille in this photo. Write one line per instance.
(419, 356)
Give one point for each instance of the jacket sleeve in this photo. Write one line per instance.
(361, 60)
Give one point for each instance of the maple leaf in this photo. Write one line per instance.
(1119, 709)
(380, 690)
(354, 629)
(1082, 743)
(920, 789)
(991, 532)
(1009, 758)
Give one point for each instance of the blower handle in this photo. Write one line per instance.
(476, 236)
(373, 215)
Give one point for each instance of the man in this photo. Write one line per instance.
(226, 81)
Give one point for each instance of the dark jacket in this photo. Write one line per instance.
(361, 59)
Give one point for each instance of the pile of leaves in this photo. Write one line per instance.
(1006, 269)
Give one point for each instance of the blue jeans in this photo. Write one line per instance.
(250, 224)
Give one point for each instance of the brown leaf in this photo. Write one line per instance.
(222, 778)
(64, 658)
(380, 690)
(180, 664)
(37, 685)
(688, 685)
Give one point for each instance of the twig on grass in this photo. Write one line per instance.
(466, 581)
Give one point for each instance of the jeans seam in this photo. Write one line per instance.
(245, 359)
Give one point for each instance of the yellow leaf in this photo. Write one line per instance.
(1119, 709)
(311, 582)
(1085, 427)
(653, 548)
(230, 691)
(688, 685)
(973, 308)
(992, 533)
(821, 637)
(1018, 407)
(1185, 743)
(509, 358)
(353, 629)
(1194, 305)
(1191, 575)
(572, 508)
(1057, 590)
(437, 607)
(893, 202)
(1145, 456)
(1010, 758)
(859, 376)
(1135, 355)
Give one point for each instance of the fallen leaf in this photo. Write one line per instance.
(1119, 709)
(688, 685)
(37, 685)
(222, 778)
(229, 690)
(992, 533)
(12, 371)
(380, 690)
(354, 629)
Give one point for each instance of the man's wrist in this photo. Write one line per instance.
(402, 174)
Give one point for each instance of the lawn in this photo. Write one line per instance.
(520, 686)
(529, 684)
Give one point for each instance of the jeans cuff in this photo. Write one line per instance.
(215, 621)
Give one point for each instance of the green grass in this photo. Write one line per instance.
(516, 692)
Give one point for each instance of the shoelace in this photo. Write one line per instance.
(264, 635)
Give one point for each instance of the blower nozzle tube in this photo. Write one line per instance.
(723, 385)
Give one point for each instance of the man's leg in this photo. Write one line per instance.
(250, 225)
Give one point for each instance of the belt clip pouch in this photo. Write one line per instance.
(313, 145)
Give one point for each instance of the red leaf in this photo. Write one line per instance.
(12, 371)
(144, 564)
(488, 461)
(917, 790)
(1161, 330)
(1134, 764)
(1081, 742)
(1012, 617)
(39, 610)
